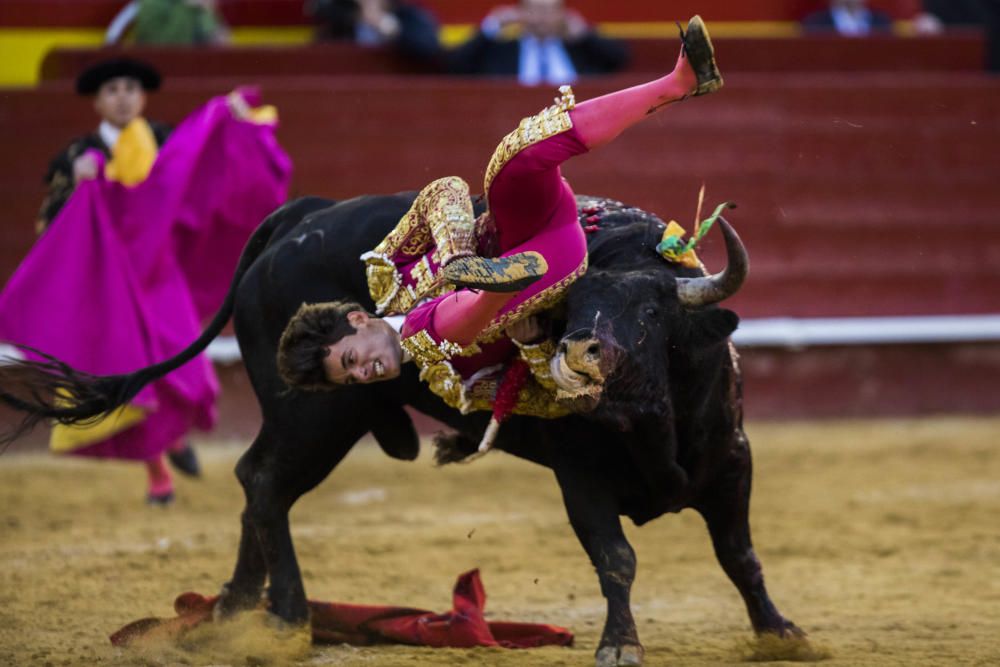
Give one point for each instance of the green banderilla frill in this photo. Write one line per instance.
(673, 246)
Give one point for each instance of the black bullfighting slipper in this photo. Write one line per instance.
(185, 461)
(496, 274)
(701, 56)
(160, 499)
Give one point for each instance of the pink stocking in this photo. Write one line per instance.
(462, 315)
(534, 208)
(160, 482)
(601, 119)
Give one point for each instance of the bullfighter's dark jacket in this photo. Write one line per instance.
(59, 177)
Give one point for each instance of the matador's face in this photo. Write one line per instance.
(120, 100)
(371, 354)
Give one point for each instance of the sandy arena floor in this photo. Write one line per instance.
(881, 539)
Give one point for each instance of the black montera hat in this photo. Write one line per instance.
(94, 76)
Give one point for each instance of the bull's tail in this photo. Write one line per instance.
(53, 390)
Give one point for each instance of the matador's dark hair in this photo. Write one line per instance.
(303, 345)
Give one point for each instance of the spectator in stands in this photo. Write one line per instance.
(849, 18)
(141, 234)
(957, 13)
(555, 46)
(411, 29)
(170, 22)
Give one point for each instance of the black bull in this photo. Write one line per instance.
(658, 386)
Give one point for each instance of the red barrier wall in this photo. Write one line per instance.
(859, 195)
(864, 194)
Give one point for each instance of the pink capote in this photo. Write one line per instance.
(124, 276)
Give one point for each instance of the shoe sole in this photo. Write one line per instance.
(162, 500)
(700, 30)
(498, 274)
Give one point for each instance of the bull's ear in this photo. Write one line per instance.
(712, 325)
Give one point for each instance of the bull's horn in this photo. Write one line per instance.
(707, 290)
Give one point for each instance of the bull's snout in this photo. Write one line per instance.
(583, 357)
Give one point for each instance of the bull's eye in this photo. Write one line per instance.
(651, 312)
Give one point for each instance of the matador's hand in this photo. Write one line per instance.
(238, 105)
(84, 168)
(526, 331)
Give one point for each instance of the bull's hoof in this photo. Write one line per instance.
(255, 637)
(792, 630)
(787, 630)
(790, 644)
(619, 656)
(231, 603)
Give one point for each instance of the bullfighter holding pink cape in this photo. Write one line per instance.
(138, 256)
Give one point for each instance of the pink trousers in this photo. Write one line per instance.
(534, 209)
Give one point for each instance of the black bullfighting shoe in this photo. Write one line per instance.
(185, 461)
(497, 274)
(160, 499)
(701, 56)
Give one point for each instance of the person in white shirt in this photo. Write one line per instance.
(849, 18)
(554, 46)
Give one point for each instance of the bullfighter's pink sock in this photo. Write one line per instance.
(463, 315)
(601, 119)
(160, 483)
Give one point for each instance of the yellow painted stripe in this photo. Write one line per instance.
(457, 33)
(668, 30)
(22, 50)
(249, 36)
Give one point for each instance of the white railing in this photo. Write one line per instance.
(788, 332)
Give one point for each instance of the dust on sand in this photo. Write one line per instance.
(879, 538)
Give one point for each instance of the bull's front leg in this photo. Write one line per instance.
(266, 544)
(726, 512)
(593, 513)
(242, 591)
(275, 472)
(286, 594)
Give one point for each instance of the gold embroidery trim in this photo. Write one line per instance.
(537, 302)
(384, 284)
(538, 357)
(447, 207)
(426, 352)
(440, 220)
(533, 399)
(423, 276)
(549, 122)
(442, 379)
